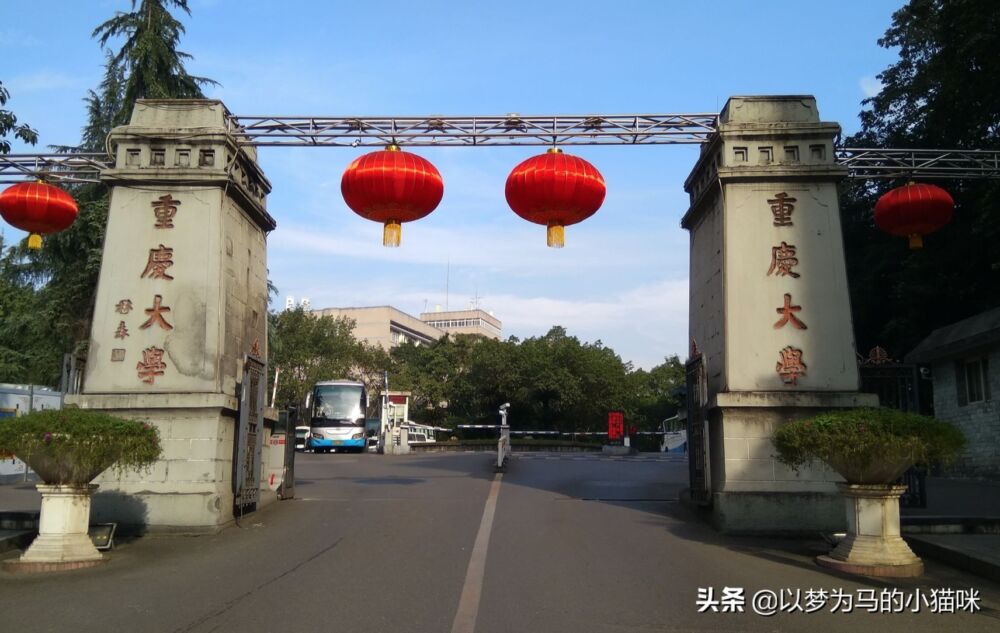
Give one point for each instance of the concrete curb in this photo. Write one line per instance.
(921, 524)
(15, 539)
(953, 557)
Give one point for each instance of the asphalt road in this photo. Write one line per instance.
(568, 542)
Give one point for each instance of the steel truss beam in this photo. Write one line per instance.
(868, 163)
(54, 168)
(919, 163)
(467, 131)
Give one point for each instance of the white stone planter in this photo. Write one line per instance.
(873, 545)
(62, 541)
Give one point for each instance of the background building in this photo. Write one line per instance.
(965, 366)
(388, 327)
(472, 321)
(385, 325)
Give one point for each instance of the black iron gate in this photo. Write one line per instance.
(249, 437)
(898, 387)
(696, 431)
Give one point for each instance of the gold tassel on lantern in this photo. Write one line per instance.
(916, 241)
(555, 235)
(391, 232)
(34, 241)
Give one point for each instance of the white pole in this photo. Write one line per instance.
(383, 434)
(274, 392)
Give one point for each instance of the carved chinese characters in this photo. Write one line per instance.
(156, 269)
(160, 259)
(165, 208)
(784, 259)
(155, 315)
(790, 366)
(781, 208)
(151, 365)
(787, 313)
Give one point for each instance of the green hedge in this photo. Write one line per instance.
(857, 442)
(86, 439)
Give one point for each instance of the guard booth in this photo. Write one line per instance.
(395, 435)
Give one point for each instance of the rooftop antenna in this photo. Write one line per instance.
(447, 279)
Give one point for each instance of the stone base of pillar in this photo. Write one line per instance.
(786, 513)
(190, 489)
(62, 542)
(752, 492)
(873, 545)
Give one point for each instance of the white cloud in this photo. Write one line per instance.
(42, 81)
(870, 86)
(511, 246)
(642, 323)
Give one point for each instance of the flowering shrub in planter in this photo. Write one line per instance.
(73, 446)
(870, 448)
(868, 445)
(68, 448)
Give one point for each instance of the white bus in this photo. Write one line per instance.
(417, 433)
(337, 413)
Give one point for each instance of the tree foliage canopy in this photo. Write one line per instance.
(9, 124)
(148, 59)
(942, 92)
(552, 382)
(47, 296)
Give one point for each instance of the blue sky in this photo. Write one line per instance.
(622, 277)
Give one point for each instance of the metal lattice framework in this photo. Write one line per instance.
(512, 129)
(467, 131)
(55, 168)
(919, 163)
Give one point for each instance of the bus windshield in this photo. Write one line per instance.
(338, 405)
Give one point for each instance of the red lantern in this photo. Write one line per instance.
(37, 207)
(392, 187)
(556, 190)
(914, 210)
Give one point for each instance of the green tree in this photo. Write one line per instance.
(652, 392)
(308, 349)
(553, 382)
(49, 311)
(942, 92)
(432, 373)
(104, 106)
(369, 364)
(152, 66)
(9, 124)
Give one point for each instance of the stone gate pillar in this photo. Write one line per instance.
(769, 308)
(181, 302)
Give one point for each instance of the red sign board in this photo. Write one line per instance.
(616, 425)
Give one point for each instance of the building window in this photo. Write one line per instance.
(206, 158)
(972, 381)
